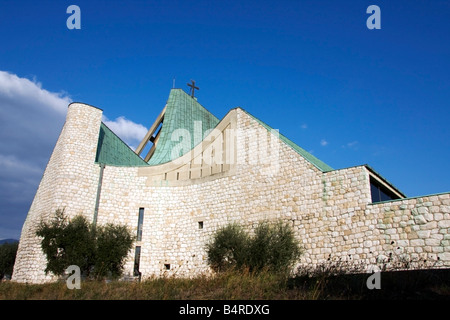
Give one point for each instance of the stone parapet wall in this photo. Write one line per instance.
(401, 233)
(415, 229)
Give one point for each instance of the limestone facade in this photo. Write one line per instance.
(241, 172)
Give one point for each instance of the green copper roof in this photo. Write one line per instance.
(184, 118)
(113, 151)
(185, 113)
(308, 156)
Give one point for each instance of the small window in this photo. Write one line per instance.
(200, 224)
(380, 193)
(140, 224)
(167, 266)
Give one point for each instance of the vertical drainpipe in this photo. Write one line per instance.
(99, 189)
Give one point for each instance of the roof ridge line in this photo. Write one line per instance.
(319, 164)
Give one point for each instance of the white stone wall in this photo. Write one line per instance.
(69, 182)
(417, 228)
(331, 212)
(407, 232)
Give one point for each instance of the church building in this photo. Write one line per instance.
(194, 173)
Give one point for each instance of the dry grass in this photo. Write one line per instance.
(227, 286)
(243, 286)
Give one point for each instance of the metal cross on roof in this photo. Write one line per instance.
(193, 87)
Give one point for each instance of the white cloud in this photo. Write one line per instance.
(31, 119)
(30, 95)
(323, 142)
(351, 145)
(304, 126)
(130, 132)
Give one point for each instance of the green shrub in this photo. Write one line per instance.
(113, 244)
(98, 251)
(228, 248)
(56, 243)
(273, 247)
(7, 258)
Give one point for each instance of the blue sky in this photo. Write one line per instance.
(311, 69)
